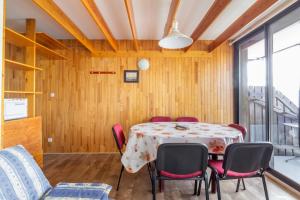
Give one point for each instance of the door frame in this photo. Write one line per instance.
(236, 74)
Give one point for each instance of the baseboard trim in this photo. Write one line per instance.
(283, 185)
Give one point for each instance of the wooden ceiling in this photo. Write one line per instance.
(216, 20)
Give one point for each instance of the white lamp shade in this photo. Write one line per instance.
(175, 39)
(143, 64)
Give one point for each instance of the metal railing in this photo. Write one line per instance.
(285, 127)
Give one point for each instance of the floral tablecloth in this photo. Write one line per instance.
(144, 140)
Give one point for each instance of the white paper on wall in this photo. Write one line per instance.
(15, 108)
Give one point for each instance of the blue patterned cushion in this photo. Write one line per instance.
(20, 176)
(79, 191)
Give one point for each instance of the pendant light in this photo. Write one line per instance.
(175, 39)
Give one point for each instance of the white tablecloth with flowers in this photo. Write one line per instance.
(144, 140)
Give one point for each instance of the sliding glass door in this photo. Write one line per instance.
(284, 37)
(252, 97)
(268, 80)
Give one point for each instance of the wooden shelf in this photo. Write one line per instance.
(17, 39)
(20, 119)
(21, 66)
(48, 41)
(23, 84)
(49, 52)
(18, 92)
(21, 92)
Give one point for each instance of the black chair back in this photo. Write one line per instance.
(247, 157)
(182, 158)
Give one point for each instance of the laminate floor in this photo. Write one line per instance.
(106, 167)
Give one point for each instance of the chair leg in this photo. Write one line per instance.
(195, 187)
(161, 185)
(218, 188)
(199, 188)
(206, 187)
(121, 172)
(265, 187)
(149, 171)
(209, 180)
(238, 185)
(153, 187)
(243, 184)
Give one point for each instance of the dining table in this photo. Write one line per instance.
(144, 140)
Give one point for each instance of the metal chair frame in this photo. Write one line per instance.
(260, 172)
(155, 175)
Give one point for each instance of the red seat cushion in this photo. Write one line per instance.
(179, 176)
(217, 165)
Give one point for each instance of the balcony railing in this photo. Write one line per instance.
(285, 126)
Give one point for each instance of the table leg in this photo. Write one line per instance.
(213, 176)
(161, 185)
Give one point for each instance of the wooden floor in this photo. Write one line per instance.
(105, 168)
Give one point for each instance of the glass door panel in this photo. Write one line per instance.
(252, 112)
(285, 57)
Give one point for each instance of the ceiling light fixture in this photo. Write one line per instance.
(175, 39)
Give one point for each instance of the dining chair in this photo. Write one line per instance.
(240, 128)
(242, 160)
(120, 141)
(161, 119)
(119, 136)
(187, 119)
(181, 161)
(244, 132)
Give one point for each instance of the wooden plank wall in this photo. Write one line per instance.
(80, 116)
(27, 132)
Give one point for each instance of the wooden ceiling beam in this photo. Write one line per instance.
(58, 15)
(213, 12)
(172, 15)
(130, 14)
(255, 10)
(97, 16)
